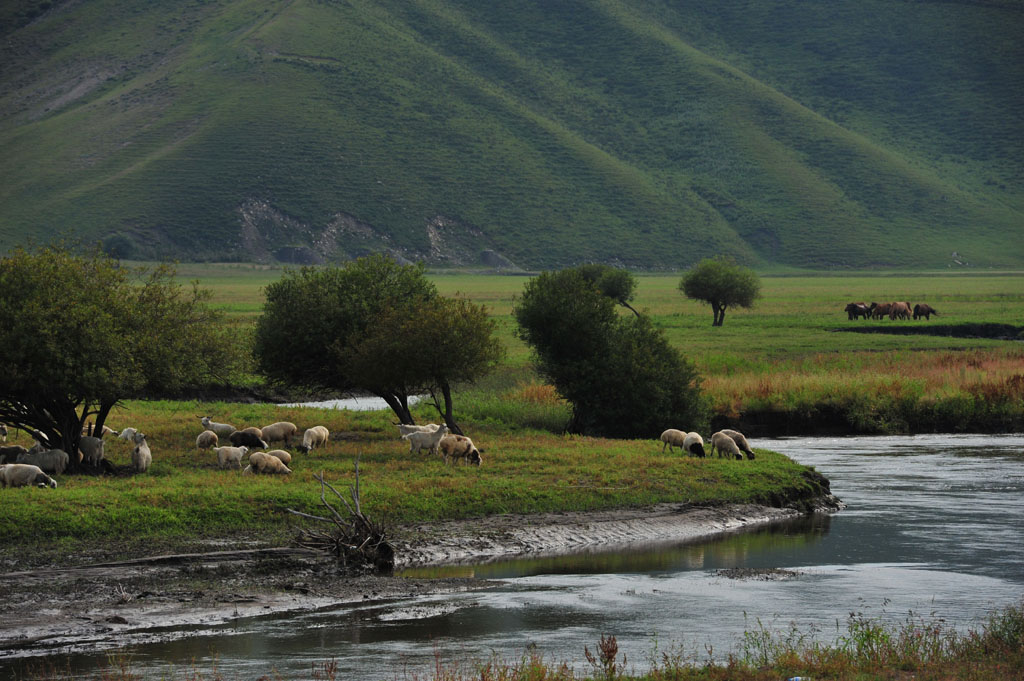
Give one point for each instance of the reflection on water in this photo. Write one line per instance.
(934, 525)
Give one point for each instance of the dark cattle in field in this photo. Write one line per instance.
(924, 310)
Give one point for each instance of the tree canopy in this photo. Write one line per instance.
(377, 326)
(621, 376)
(80, 333)
(721, 282)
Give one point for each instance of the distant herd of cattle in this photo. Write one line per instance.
(897, 310)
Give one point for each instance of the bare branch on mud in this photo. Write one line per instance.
(357, 541)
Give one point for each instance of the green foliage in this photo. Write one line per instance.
(643, 133)
(720, 282)
(373, 325)
(621, 376)
(82, 333)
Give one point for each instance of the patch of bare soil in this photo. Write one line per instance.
(93, 606)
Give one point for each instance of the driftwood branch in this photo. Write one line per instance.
(357, 541)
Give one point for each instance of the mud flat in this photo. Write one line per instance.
(102, 606)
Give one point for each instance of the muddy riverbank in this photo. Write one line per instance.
(92, 607)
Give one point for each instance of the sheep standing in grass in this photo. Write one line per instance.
(142, 457)
(741, 442)
(430, 441)
(725, 445)
(250, 437)
(127, 434)
(404, 430)
(694, 444)
(206, 439)
(457, 447)
(222, 429)
(282, 431)
(265, 464)
(285, 457)
(53, 461)
(672, 438)
(314, 437)
(91, 449)
(23, 475)
(230, 457)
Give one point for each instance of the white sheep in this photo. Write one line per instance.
(282, 431)
(265, 464)
(142, 457)
(127, 434)
(230, 457)
(23, 475)
(430, 440)
(672, 438)
(91, 449)
(53, 461)
(314, 437)
(10, 453)
(285, 457)
(740, 440)
(460, 447)
(724, 445)
(222, 429)
(404, 430)
(206, 439)
(694, 444)
(251, 437)
(88, 430)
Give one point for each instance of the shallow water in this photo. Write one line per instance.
(934, 527)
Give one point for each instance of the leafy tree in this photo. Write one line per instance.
(621, 376)
(619, 285)
(720, 282)
(80, 333)
(377, 326)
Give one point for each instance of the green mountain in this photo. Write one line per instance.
(644, 133)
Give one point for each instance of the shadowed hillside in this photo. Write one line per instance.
(539, 134)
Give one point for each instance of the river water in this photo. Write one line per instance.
(934, 528)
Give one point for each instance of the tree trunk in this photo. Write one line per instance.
(449, 419)
(400, 407)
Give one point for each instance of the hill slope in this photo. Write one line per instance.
(635, 132)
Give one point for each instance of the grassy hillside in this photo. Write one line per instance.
(636, 132)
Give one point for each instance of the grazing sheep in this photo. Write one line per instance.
(404, 430)
(431, 440)
(9, 454)
(206, 439)
(250, 437)
(230, 457)
(725, 445)
(924, 310)
(91, 449)
(460, 447)
(314, 437)
(672, 438)
(127, 434)
(222, 429)
(281, 431)
(53, 461)
(694, 444)
(23, 475)
(281, 454)
(265, 464)
(142, 457)
(741, 442)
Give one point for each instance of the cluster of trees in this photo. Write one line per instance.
(81, 333)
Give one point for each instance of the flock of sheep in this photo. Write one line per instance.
(731, 443)
(897, 310)
(20, 467)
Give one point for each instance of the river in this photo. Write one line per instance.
(934, 528)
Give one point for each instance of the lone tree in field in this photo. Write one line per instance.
(720, 282)
(377, 326)
(80, 333)
(619, 373)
